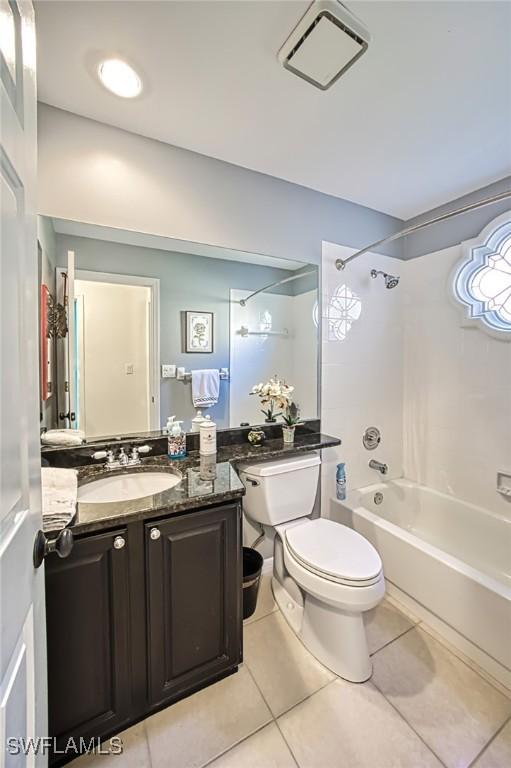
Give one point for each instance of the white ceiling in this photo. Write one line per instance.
(422, 118)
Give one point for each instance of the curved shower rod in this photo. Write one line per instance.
(274, 285)
(341, 263)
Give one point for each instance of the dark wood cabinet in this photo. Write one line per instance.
(87, 614)
(193, 594)
(139, 617)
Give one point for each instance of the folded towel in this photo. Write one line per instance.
(63, 437)
(205, 387)
(59, 491)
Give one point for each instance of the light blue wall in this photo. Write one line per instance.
(187, 282)
(460, 228)
(92, 172)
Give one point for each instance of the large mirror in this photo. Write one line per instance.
(136, 328)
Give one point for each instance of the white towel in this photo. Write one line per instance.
(63, 437)
(59, 491)
(205, 387)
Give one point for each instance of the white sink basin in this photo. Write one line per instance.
(132, 485)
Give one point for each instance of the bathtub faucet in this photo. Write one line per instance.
(383, 468)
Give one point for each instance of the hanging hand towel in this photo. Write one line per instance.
(205, 387)
(59, 491)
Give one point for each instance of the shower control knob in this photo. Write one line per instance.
(155, 534)
(119, 542)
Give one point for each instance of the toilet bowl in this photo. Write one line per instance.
(325, 575)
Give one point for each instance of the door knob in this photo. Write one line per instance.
(62, 545)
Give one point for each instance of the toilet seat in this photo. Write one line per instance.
(334, 552)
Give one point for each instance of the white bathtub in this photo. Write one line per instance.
(451, 558)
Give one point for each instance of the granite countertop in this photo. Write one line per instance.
(205, 481)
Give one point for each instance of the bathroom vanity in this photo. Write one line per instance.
(147, 608)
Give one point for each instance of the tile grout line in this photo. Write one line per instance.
(236, 744)
(403, 718)
(259, 689)
(255, 621)
(146, 736)
(287, 744)
(306, 698)
(275, 720)
(421, 625)
(386, 645)
(483, 750)
(443, 643)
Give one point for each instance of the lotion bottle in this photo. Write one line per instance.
(207, 437)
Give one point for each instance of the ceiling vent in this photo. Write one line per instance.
(327, 40)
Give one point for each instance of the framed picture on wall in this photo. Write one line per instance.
(199, 331)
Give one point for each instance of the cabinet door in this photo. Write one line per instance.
(87, 608)
(193, 567)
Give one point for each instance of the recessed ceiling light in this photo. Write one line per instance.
(120, 78)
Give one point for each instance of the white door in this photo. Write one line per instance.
(22, 633)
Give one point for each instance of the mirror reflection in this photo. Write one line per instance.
(137, 328)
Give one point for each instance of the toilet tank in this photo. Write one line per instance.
(280, 491)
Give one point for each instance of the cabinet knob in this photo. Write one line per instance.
(155, 534)
(119, 542)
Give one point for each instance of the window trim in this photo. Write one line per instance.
(475, 254)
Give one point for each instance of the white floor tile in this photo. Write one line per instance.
(383, 624)
(454, 709)
(201, 727)
(135, 752)
(352, 726)
(284, 670)
(265, 749)
(498, 753)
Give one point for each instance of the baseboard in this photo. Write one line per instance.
(494, 672)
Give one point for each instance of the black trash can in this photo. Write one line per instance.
(252, 566)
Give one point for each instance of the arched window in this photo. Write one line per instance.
(483, 280)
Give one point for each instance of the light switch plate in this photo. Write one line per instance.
(168, 371)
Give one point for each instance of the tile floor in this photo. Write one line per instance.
(423, 708)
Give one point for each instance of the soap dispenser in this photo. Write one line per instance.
(176, 441)
(168, 426)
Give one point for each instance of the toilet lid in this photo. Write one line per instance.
(334, 550)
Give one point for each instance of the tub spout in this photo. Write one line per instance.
(383, 468)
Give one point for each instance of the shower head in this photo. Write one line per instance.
(390, 280)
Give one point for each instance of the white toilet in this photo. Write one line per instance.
(325, 575)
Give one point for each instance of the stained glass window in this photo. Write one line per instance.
(483, 281)
(344, 307)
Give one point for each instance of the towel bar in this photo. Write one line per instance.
(186, 376)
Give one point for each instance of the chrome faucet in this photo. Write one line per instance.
(383, 468)
(122, 460)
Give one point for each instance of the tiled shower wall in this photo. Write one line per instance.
(361, 374)
(440, 392)
(457, 390)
